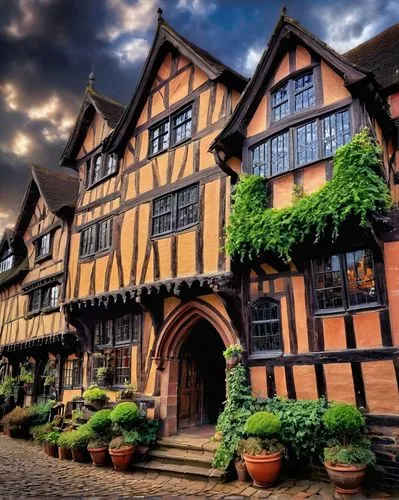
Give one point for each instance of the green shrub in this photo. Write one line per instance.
(344, 422)
(263, 424)
(130, 438)
(233, 350)
(302, 428)
(256, 446)
(78, 438)
(238, 407)
(39, 432)
(8, 386)
(353, 454)
(64, 441)
(95, 393)
(100, 422)
(97, 442)
(18, 418)
(39, 413)
(125, 415)
(52, 438)
(148, 431)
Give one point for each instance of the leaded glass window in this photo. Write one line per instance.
(88, 241)
(307, 149)
(103, 331)
(35, 300)
(50, 297)
(344, 281)
(279, 154)
(304, 92)
(122, 365)
(96, 169)
(162, 215)
(111, 164)
(280, 103)
(181, 125)
(123, 329)
(187, 207)
(6, 264)
(259, 161)
(43, 245)
(336, 132)
(105, 235)
(159, 138)
(266, 334)
(72, 373)
(96, 238)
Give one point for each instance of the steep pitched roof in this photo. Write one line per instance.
(380, 55)
(165, 39)
(15, 273)
(93, 102)
(285, 30)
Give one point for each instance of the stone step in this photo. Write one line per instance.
(166, 443)
(182, 457)
(186, 471)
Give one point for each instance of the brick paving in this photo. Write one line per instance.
(25, 471)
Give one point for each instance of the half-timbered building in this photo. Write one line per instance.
(147, 284)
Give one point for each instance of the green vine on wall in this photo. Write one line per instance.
(356, 190)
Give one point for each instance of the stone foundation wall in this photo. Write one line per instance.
(386, 447)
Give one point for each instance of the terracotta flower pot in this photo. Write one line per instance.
(45, 448)
(264, 469)
(232, 361)
(79, 455)
(99, 456)
(64, 453)
(242, 471)
(52, 450)
(99, 404)
(121, 458)
(347, 479)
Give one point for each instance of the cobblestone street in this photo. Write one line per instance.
(25, 470)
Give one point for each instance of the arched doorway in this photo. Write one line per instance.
(201, 386)
(180, 327)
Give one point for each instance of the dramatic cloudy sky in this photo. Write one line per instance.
(47, 48)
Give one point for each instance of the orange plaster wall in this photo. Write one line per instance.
(259, 120)
(258, 381)
(178, 87)
(282, 70)
(334, 333)
(281, 384)
(305, 382)
(284, 325)
(367, 329)
(298, 286)
(302, 57)
(211, 226)
(164, 248)
(186, 254)
(394, 103)
(313, 177)
(339, 382)
(199, 78)
(282, 191)
(166, 67)
(203, 109)
(391, 258)
(169, 305)
(333, 85)
(381, 387)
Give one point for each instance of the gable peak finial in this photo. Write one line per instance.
(283, 11)
(160, 17)
(91, 79)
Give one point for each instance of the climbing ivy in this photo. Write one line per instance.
(356, 190)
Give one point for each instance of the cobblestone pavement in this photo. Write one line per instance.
(25, 471)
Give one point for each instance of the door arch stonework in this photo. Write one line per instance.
(172, 335)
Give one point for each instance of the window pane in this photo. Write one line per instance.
(279, 154)
(137, 321)
(111, 164)
(159, 138)
(327, 282)
(97, 169)
(187, 207)
(361, 288)
(181, 124)
(123, 328)
(103, 332)
(259, 160)
(280, 103)
(6, 264)
(162, 215)
(304, 92)
(35, 301)
(306, 143)
(336, 132)
(105, 234)
(122, 365)
(266, 326)
(44, 245)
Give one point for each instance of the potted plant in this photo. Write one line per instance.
(239, 463)
(64, 450)
(148, 433)
(8, 388)
(262, 451)
(51, 443)
(26, 377)
(127, 393)
(121, 449)
(16, 423)
(77, 440)
(125, 416)
(100, 423)
(96, 397)
(349, 453)
(233, 355)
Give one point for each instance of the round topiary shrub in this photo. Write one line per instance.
(343, 420)
(262, 424)
(125, 415)
(101, 422)
(95, 393)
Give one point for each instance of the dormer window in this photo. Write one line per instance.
(43, 246)
(295, 95)
(100, 167)
(6, 263)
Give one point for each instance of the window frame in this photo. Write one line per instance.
(39, 256)
(266, 353)
(346, 307)
(174, 225)
(74, 384)
(42, 293)
(171, 140)
(7, 267)
(103, 169)
(94, 244)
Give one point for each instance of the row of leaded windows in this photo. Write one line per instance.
(295, 95)
(99, 167)
(171, 131)
(43, 298)
(273, 156)
(6, 263)
(96, 238)
(175, 211)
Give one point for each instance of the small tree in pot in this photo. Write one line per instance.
(51, 443)
(262, 451)
(124, 417)
(100, 423)
(349, 453)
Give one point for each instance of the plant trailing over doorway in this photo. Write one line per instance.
(239, 406)
(356, 190)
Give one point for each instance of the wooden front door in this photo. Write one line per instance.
(190, 392)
